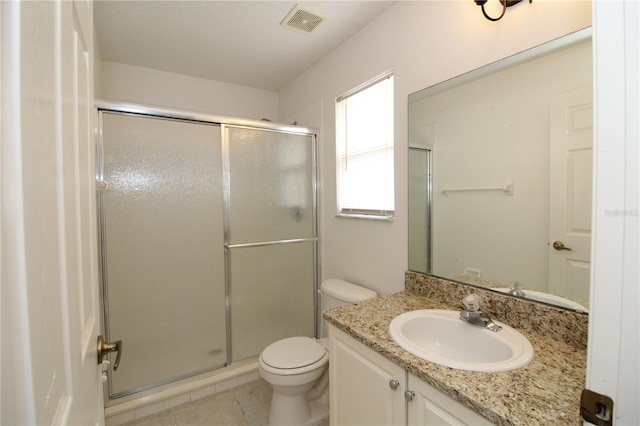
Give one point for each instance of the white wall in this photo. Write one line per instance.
(424, 43)
(147, 86)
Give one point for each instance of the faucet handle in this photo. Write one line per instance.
(471, 302)
(516, 290)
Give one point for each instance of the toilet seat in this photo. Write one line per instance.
(294, 355)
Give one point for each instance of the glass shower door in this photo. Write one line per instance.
(163, 248)
(271, 237)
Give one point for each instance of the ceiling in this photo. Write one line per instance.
(238, 42)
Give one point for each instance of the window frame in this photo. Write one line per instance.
(362, 213)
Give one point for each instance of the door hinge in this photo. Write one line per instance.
(596, 408)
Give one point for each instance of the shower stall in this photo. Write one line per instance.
(208, 240)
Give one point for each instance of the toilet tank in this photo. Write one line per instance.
(336, 292)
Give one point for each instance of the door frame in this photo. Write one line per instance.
(612, 354)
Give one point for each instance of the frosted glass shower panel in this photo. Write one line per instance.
(164, 240)
(272, 295)
(419, 212)
(271, 185)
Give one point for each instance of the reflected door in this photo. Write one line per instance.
(571, 141)
(163, 248)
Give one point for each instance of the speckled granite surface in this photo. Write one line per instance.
(546, 392)
(489, 284)
(561, 324)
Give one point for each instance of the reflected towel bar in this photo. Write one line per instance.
(507, 188)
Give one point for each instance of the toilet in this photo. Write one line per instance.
(297, 367)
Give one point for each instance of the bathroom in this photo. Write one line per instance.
(368, 252)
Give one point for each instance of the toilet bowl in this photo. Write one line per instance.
(292, 366)
(297, 367)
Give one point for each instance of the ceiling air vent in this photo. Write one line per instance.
(302, 20)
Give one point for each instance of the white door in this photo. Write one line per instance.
(50, 311)
(570, 187)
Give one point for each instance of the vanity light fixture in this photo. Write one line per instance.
(505, 5)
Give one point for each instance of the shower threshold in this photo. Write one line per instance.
(166, 396)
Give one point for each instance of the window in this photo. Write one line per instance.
(364, 139)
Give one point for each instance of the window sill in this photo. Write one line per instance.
(366, 217)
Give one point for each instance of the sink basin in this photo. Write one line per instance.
(439, 336)
(547, 298)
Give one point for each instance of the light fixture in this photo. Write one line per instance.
(505, 5)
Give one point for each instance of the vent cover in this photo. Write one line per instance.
(302, 20)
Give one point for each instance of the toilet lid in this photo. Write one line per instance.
(294, 352)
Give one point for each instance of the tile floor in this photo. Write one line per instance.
(245, 405)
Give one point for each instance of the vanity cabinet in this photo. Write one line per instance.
(429, 406)
(368, 389)
(365, 388)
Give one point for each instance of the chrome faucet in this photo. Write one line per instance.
(515, 290)
(473, 315)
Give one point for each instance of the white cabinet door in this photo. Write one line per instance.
(431, 407)
(361, 382)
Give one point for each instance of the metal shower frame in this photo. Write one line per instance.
(225, 122)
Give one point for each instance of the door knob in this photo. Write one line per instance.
(394, 384)
(559, 245)
(105, 347)
(409, 395)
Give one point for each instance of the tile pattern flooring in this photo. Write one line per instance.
(245, 405)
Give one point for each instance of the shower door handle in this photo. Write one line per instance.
(105, 347)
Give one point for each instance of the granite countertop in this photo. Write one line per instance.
(547, 391)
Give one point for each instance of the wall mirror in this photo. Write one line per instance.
(500, 165)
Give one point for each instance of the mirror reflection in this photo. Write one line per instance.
(500, 164)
